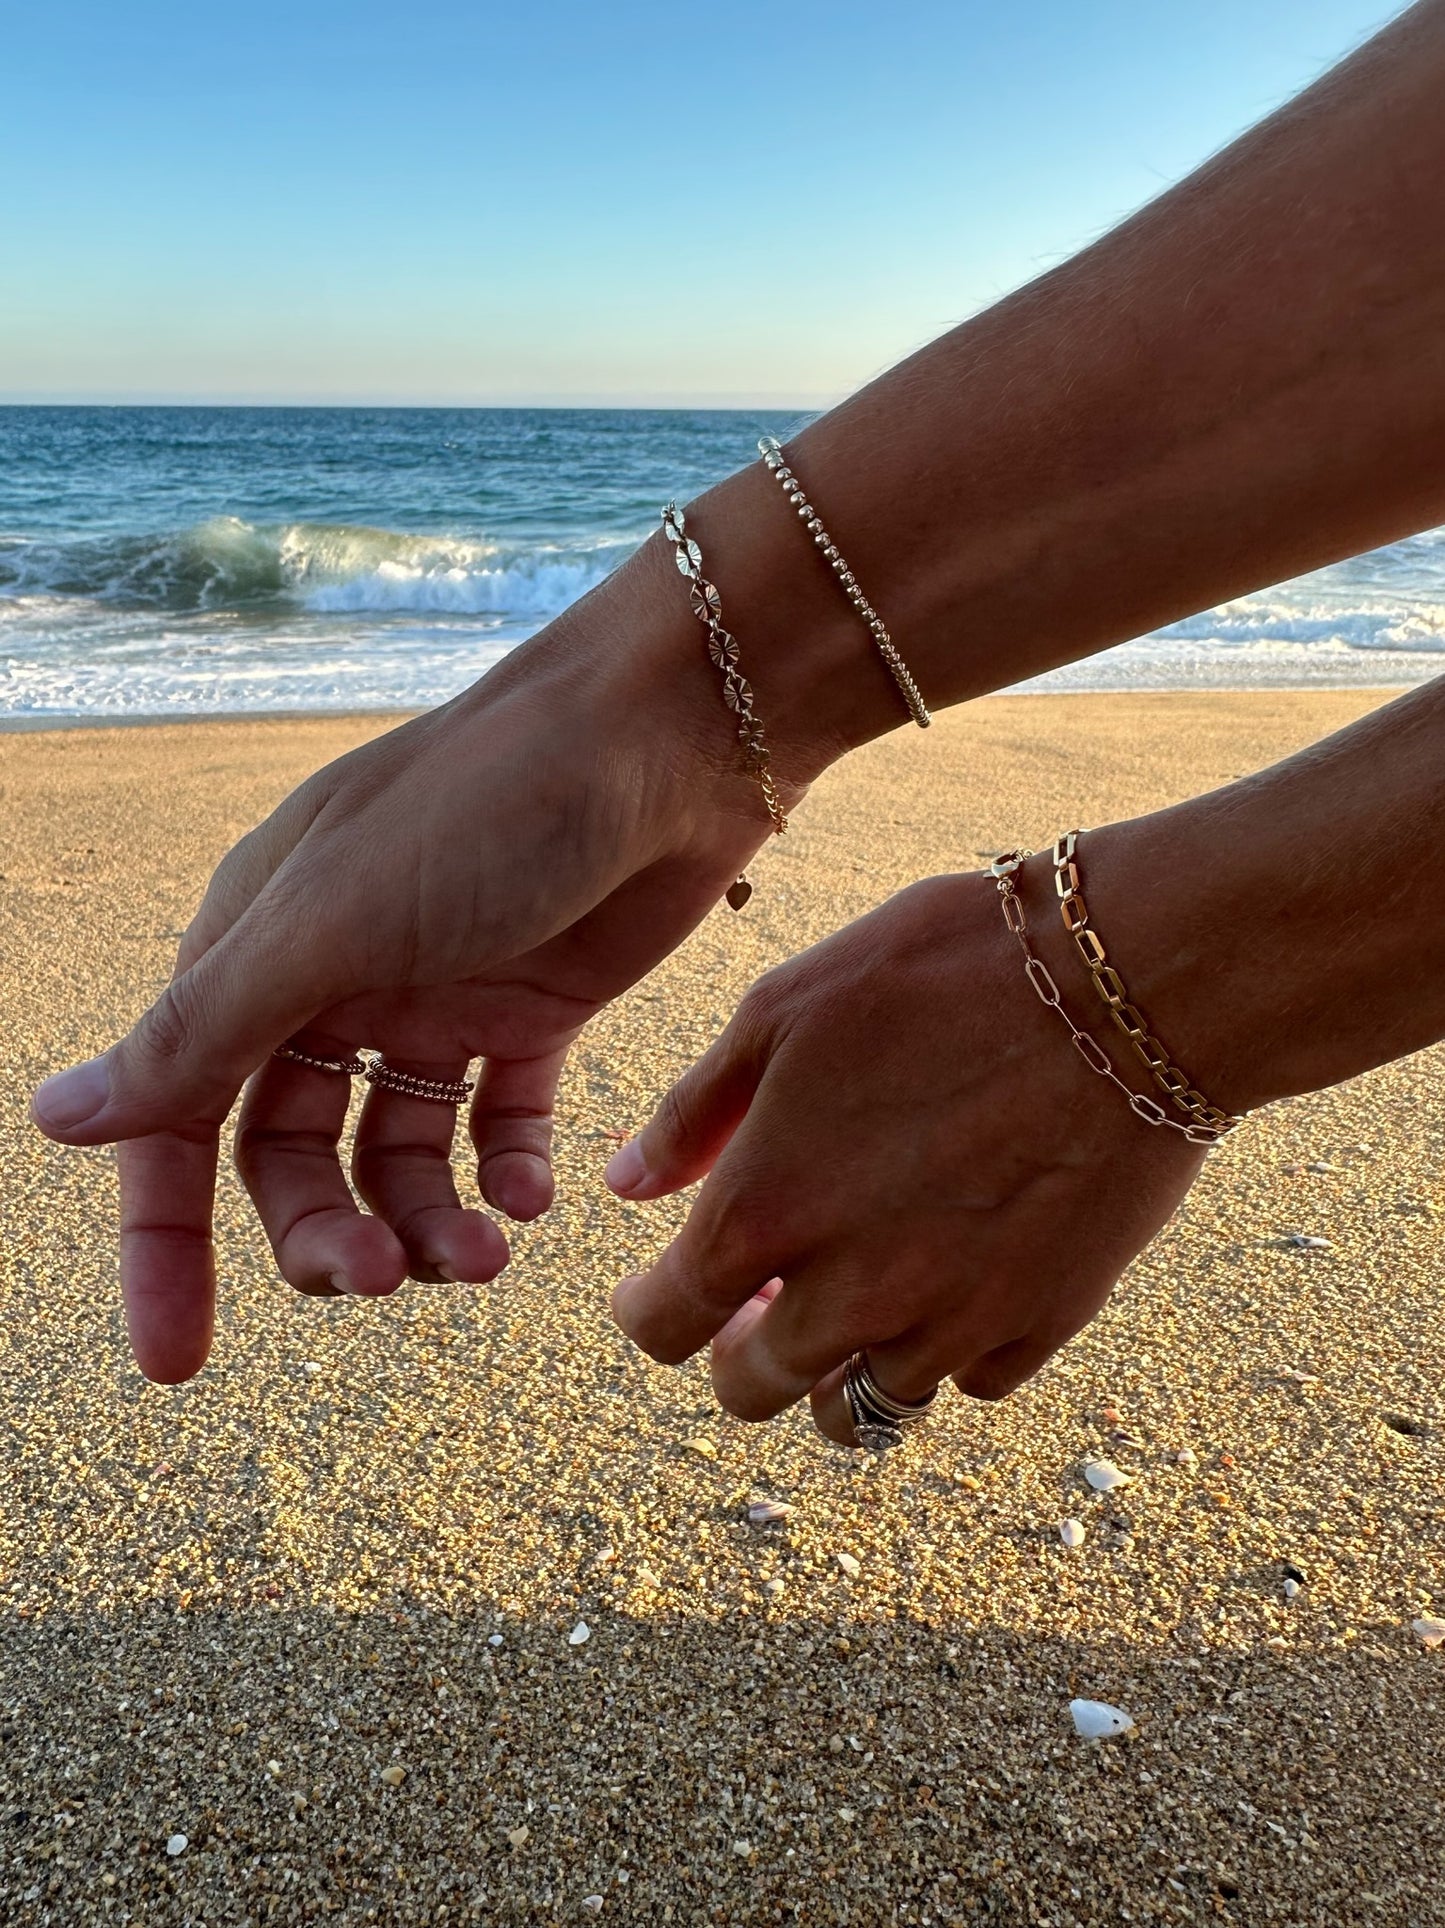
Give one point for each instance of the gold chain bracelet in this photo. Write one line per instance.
(771, 451)
(1110, 987)
(723, 649)
(1003, 870)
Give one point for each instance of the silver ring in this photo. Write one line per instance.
(879, 1420)
(433, 1091)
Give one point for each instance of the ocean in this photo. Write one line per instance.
(180, 561)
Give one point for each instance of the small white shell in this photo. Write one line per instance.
(1071, 1532)
(850, 1565)
(1103, 1475)
(1306, 1242)
(1186, 1456)
(177, 1844)
(593, 1904)
(1096, 1720)
(579, 1635)
(768, 1512)
(1429, 1630)
(494, 1640)
(1291, 1588)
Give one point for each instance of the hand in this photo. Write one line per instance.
(896, 1128)
(477, 882)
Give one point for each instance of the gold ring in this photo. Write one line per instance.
(432, 1091)
(348, 1067)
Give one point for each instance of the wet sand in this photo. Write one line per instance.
(231, 1610)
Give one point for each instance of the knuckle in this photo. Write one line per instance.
(169, 1027)
(750, 1404)
(987, 1382)
(763, 1001)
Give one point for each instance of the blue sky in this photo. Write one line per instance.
(742, 202)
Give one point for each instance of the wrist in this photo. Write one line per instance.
(1239, 954)
(821, 687)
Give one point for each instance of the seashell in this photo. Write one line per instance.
(494, 1640)
(645, 1577)
(851, 1566)
(1306, 1242)
(519, 1836)
(579, 1635)
(1291, 1588)
(1103, 1475)
(393, 1776)
(773, 1588)
(1429, 1630)
(177, 1844)
(1071, 1532)
(704, 1448)
(768, 1512)
(1186, 1456)
(1096, 1720)
(593, 1904)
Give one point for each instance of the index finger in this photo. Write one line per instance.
(745, 1229)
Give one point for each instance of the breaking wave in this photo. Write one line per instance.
(227, 563)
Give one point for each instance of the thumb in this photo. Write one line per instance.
(196, 1046)
(686, 1134)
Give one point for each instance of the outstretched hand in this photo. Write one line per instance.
(476, 883)
(895, 1128)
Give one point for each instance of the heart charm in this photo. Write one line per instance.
(739, 893)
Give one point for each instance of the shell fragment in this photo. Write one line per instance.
(768, 1512)
(1103, 1475)
(1096, 1720)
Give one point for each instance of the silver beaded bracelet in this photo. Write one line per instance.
(771, 451)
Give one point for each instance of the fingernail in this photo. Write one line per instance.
(340, 1283)
(626, 1169)
(71, 1097)
(446, 1272)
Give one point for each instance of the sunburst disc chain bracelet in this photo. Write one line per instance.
(722, 647)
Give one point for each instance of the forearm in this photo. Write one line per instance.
(1243, 381)
(1283, 933)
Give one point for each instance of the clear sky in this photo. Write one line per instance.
(739, 201)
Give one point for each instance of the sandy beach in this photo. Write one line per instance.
(313, 1611)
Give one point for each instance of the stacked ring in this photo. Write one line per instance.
(347, 1067)
(879, 1420)
(433, 1091)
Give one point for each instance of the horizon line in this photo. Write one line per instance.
(772, 403)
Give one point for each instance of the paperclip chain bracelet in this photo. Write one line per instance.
(771, 451)
(1110, 987)
(1003, 870)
